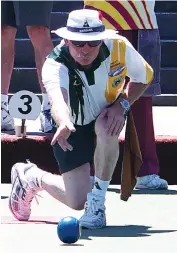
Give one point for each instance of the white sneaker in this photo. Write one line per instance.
(94, 216)
(151, 182)
(6, 120)
(23, 191)
(46, 121)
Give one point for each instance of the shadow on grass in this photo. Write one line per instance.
(122, 231)
(147, 191)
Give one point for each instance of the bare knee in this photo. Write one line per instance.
(8, 34)
(77, 186)
(39, 36)
(77, 204)
(102, 136)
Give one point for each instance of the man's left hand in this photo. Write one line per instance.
(114, 119)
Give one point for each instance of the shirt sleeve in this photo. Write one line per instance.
(54, 75)
(138, 70)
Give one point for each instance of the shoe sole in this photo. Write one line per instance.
(7, 128)
(14, 175)
(86, 226)
(142, 187)
(93, 228)
(47, 131)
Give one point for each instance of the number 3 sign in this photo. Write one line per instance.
(25, 105)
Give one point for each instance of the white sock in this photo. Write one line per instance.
(45, 102)
(35, 175)
(4, 98)
(100, 187)
(92, 178)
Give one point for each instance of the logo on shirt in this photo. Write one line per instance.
(117, 71)
(117, 81)
(76, 81)
(114, 64)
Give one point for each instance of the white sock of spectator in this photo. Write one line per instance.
(45, 102)
(4, 98)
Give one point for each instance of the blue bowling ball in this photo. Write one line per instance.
(69, 230)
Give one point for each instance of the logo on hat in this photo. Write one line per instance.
(86, 24)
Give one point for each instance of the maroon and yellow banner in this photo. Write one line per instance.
(125, 15)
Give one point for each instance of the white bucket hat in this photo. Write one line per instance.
(85, 25)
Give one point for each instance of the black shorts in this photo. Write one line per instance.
(83, 142)
(26, 13)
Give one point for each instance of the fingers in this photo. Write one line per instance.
(111, 125)
(115, 127)
(70, 127)
(116, 131)
(58, 133)
(63, 131)
(119, 128)
(61, 137)
(103, 113)
(64, 144)
(54, 139)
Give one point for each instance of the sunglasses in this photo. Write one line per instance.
(93, 43)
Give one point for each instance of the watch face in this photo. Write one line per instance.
(125, 104)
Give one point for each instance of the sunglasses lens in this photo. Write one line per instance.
(94, 43)
(78, 43)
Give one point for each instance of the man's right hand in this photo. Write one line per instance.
(62, 134)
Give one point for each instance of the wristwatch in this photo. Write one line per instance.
(125, 104)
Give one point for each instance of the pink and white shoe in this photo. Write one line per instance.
(23, 191)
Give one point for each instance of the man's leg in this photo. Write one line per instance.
(142, 114)
(7, 62)
(27, 180)
(148, 173)
(42, 43)
(105, 159)
(106, 153)
(7, 56)
(149, 48)
(8, 32)
(71, 188)
(38, 26)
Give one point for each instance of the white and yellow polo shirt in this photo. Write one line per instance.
(91, 91)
